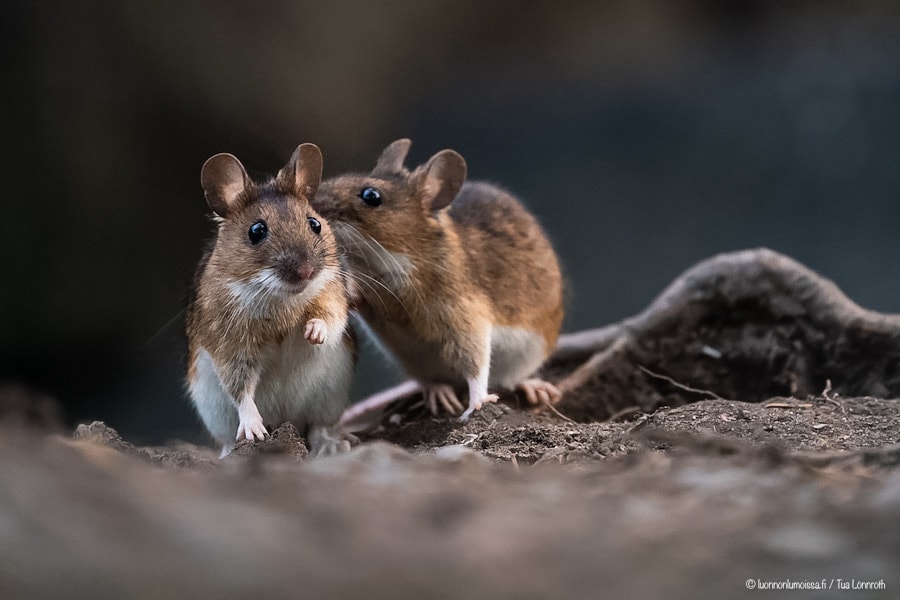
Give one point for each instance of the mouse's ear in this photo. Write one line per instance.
(439, 180)
(392, 157)
(303, 173)
(223, 179)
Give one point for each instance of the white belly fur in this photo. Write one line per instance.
(301, 383)
(515, 355)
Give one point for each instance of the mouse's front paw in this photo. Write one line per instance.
(315, 331)
(251, 431)
(251, 425)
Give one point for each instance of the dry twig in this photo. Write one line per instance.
(680, 385)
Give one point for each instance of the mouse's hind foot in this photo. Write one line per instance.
(539, 393)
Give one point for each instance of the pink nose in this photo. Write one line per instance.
(296, 271)
(305, 271)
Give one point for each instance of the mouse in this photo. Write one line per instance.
(268, 330)
(456, 279)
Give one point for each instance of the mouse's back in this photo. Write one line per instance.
(509, 256)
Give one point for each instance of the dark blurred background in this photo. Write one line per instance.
(646, 135)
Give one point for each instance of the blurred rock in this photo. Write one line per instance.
(23, 406)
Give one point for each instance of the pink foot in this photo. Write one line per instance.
(443, 395)
(539, 393)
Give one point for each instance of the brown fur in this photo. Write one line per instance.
(226, 317)
(482, 262)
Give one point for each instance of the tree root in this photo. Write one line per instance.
(747, 326)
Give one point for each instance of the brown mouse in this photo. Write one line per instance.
(267, 328)
(457, 279)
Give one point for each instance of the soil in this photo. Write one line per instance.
(505, 432)
(691, 501)
(758, 454)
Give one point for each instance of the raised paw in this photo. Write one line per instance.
(315, 331)
(443, 395)
(539, 393)
(476, 405)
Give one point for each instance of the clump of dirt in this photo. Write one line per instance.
(285, 440)
(174, 455)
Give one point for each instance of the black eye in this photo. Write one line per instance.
(314, 225)
(371, 196)
(258, 232)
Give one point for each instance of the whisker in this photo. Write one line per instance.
(372, 285)
(388, 262)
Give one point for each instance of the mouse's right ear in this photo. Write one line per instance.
(223, 179)
(439, 180)
(392, 157)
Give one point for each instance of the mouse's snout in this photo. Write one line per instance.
(295, 268)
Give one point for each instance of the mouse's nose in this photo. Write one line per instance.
(296, 269)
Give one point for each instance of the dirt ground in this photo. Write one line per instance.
(505, 432)
(686, 502)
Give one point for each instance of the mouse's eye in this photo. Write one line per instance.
(258, 232)
(314, 225)
(371, 196)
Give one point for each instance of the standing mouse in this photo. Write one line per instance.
(456, 279)
(267, 328)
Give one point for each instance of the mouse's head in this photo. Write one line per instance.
(392, 208)
(270, 243)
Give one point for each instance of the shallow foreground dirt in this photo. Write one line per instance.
(687, 502)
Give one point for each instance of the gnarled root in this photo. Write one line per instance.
(746, 325)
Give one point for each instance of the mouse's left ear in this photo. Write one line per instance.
(303, 173)
(439, 180)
